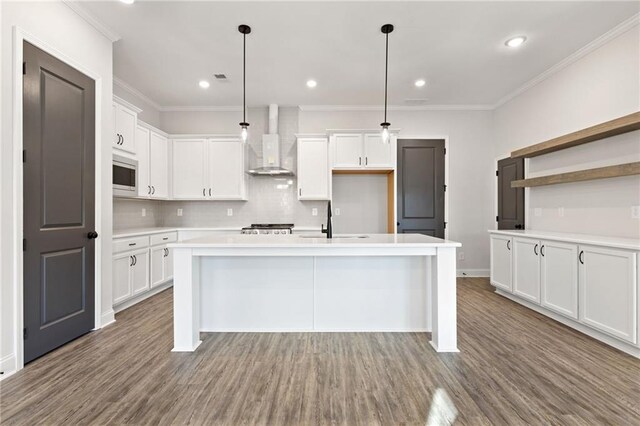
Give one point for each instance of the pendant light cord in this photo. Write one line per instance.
(244, 78)
(386, 72)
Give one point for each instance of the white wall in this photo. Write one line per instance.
(150, 114)
(361, 201)
(60, 28)
(603, 85)
(470, 156)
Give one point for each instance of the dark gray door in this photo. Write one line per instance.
(59, 145)
(421, 186)
(510, 200)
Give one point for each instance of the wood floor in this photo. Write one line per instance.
(515, 367)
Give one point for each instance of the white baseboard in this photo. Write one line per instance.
(8, 366)
(473, 273)
(129, 303)
(107, 318)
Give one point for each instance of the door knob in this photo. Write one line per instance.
(92, 235)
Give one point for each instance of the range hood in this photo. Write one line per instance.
(271, 150)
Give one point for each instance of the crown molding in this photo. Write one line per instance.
(616, 31)
(361, 108)
(127, 104)
(135, 92)
(92, 20)
(200, 108)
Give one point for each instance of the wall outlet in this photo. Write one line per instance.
(229, 212)
(144, 212)
(337, 211)
(314, 212)
(461, 256)
(179, 212)
(560, 211)
(635, 212)
(537, 212)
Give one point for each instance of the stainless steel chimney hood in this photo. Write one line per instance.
(271, 150)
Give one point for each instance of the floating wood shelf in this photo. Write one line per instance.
(628, 169)
(625, 124)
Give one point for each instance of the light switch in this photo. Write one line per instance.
(229, 212)
(560, 211)
(144, 212)
(337, 211)
(635, 212)
(461, 256)
(314, 212)
(179, 212)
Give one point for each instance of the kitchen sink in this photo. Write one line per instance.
(335, 237)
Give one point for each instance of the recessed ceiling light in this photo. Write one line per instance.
(204, 84)
(515, 41)
(127, 1)
(420, 83)
(311, 84)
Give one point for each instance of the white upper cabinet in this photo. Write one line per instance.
(362, 151)
(313, 169)
(526, 269)
(208, 169)
(125, 123)
(189, 169)
(378, 153)
(501, 262)
(559, 278)
(226, 169)
(347, 150)
(158, 165)
(608, 291)
(142, 146)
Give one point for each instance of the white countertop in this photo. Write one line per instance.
(301, 241)
(135, 232)
(623, 243)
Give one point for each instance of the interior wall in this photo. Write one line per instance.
(601, 86)
(59, 27)
(150, 114)
(470, 162)
(359, 204)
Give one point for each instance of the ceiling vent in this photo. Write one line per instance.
(416, 101)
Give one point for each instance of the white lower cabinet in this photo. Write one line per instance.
(559, 278)
(526, 269)
(161, 265)
(608, 291)
(501, 262)
(130, 274)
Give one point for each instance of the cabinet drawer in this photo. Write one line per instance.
(165, 238)
(126, 244)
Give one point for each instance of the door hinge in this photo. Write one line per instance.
(24, 155)
(445, 188)
(25, 333)
(497, 173)
(24, 68)
(497, 219)
(445, 225)
(24, 244)
(445, 151)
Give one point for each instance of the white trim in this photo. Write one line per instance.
(333, 108)
(376, 130)
(127, 104)
(135, 300)
(211, 108)
(467, 273)
(92, 20)
(574, 57)
(19, 36)
(135, 92)
(152, 128)
(447, 167)
(8, 366)
(107, 318)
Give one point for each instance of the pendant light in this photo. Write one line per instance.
(244, 132)
(386, 29)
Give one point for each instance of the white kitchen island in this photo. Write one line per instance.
(301, 283)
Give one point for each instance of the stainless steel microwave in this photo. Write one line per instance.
(125, 177)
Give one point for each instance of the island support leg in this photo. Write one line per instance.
(186, 301)
(443, 300)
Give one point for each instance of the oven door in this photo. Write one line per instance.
(125, 177)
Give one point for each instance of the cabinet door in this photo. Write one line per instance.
(126, 124)
(376, 153)
(608, 291)
(140, 272)
(313, 169)
(142, 146)
(168, 264)
(226, 169)
(121, 277)
(501, 262)
(157, 265)
(116, 137)
(526, 269)
(158, 166)
(559, 277)
(347, 150)
(189, 159)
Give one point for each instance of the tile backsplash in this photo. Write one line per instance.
(270, 199)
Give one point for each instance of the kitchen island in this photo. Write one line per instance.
(297, 283)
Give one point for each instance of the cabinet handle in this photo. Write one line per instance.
(204, 192)
(580, 258)
(149, 190)
(130, 260)
(508, 244)
(165, 238)
(300, 192)
(366, 161)
(153, 189)
(535, 249)
(135, 260)
(542, 250)
(209, 192)
(132, 244)
(359, 161)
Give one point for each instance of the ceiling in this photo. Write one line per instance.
(457, 47)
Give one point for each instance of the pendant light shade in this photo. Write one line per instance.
(244, 126)
(386, 29)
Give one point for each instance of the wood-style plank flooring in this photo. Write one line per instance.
(515, 367)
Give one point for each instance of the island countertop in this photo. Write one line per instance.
(317, 241)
